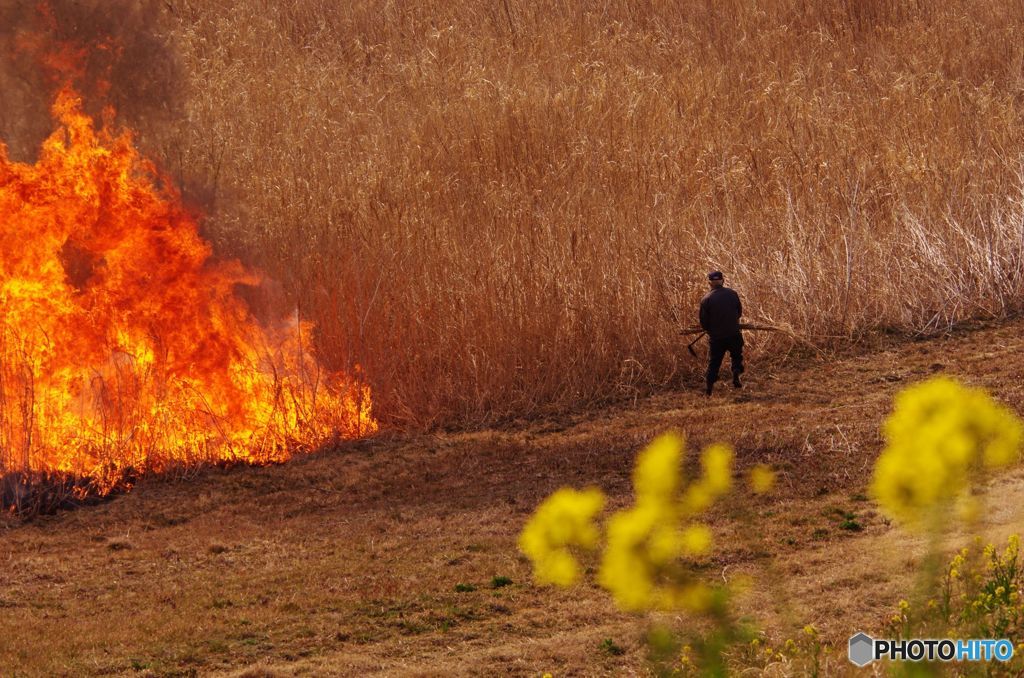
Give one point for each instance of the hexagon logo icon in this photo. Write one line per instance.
(862, 649)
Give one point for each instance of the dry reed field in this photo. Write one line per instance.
(493, 208)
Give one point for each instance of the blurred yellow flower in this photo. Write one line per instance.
(717, 463)
(937, 438)
(716, 481)
(762, 479)
(626, 569)
(646, 540)
(564, 519)
(657, 475)
(694, 597)
(697, 539)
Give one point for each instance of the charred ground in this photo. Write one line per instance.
(389, 555)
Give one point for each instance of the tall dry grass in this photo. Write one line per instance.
(498, 207)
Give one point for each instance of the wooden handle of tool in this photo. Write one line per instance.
(743, 326)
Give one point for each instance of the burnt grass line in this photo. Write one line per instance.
(25, 496)
(28, 495)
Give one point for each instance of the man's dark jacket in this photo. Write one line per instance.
(720, 312)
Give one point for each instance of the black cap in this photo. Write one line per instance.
(716, 275)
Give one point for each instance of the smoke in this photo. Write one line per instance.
(114, 52)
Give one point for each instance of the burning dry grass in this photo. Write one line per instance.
(494, 208)
(124, 348)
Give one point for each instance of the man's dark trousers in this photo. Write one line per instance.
(734, 345)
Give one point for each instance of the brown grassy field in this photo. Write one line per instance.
(504, 213)
(501, 209)
(347, 563)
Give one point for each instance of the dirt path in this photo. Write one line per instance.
(349, 562)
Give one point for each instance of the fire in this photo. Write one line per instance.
(124, 348)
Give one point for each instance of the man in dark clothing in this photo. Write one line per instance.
(720, 312)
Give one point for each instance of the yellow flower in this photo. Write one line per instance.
(762, 479)
(564, 519)
(811, 631)
(1012, 548)
(657, 476)
(717, 463)
(643, 543)
(715, 482)
(646, 540)
(626, 568)
(938, 436)
(695, 597)
(696, 539)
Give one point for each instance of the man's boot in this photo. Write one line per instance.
(736, 383)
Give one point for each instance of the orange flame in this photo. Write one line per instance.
(123, 347)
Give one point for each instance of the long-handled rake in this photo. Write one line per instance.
(700, 335)
(747, 326)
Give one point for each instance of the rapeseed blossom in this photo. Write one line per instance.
(978, 594)
(656, 476)
(645, 538)
(696, 540)
(563, 520)
(762, 479)
(645, 542)
(939, 438)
